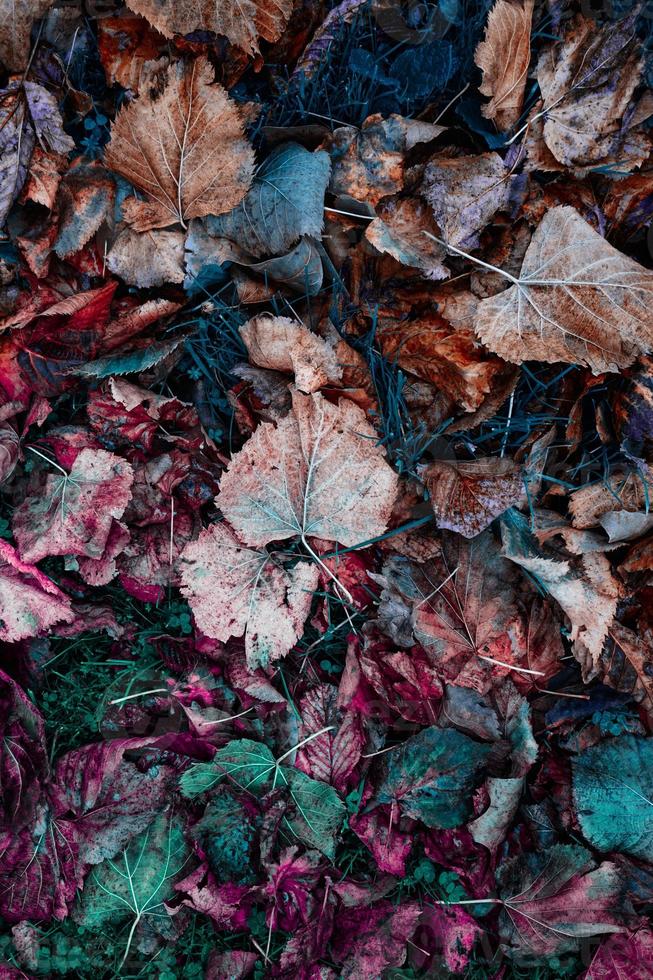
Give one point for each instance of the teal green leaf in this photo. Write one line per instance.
(316, 811)
(613, 792)
(133, 362)
(433, 775)
(319, 811)
(133, 887)
(285, 202)
(249, 765)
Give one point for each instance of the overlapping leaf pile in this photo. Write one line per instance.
(326, 465)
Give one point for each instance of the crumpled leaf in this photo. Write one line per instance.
(466, 497)
(23, 756)
(282, 344)
(367, 941)
(333, 755)
(585, 588)
(29, 602)
(587, 82)
(503, 57)
(577, 300)
(284, 203)
(465, 193)
(613, 792)
(317, 473)
(73, 512)
(16, 18)
(432, 776)
(399, 230)
(236, 591)
(28, 112)
(185, 150)
(242, 22)
(553, 899)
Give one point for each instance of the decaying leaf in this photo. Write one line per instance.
(29, 602)
(577, 299)
(503, 57)
(286, 345)
(587, 82)
(399, 230)
(16, 19)
(466, 497)
(465, 193)
(185, 149)
(242, 22)
(236, 591)
(72, 513)
(317, 473)
(152, 258)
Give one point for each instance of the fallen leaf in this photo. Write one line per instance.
(16, 18)
(284, 203)
(30, 603)
(503, 57)
(587, 82)
(465, 193)
(236, 591)
(242, 22)
(185, 149)
(318, 473)
(152, 258)
(554, 898)
(577, 300)
(466, 497)
(72, 513)
(399, 229)
(282, 344)
(613, 790)
(623, 956)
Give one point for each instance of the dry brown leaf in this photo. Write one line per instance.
(587, 82)
(236, 591)
(441, 348)
(16, 19)
(584, 588)
(152, 258)
(577, 300)
(242, 22)
(184, 148)
(626, 663)
(467, 496)
(618, 505)
(128, 48)
(318, 473)
(465, 193)
(399, 230)
(281, 344)
(503, 57)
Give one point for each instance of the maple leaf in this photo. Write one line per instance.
(466, 497)
(29, 602)
(73, 512)
(577, 299)
(236, 591)
(318, 473)
(185, 149)
(282, 344)
(242, 22)
(16, 18)
(554, 898)
(584, 588)
(503, 57)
